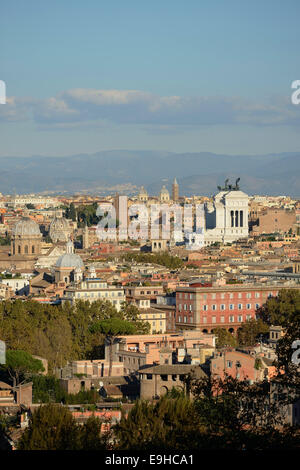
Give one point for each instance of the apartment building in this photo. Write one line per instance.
(228, 306)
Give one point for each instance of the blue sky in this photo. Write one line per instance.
(163, 75)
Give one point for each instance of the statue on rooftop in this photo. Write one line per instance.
(230, 187)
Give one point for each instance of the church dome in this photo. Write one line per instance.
(164, 190)
(59, 223)
(69, 260)
(59, 230)
(26, 227)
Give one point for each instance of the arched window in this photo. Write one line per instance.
(19, 249)
(232, 218)
(236, 218)
(32, 249)
(26, 250)
(241, 218)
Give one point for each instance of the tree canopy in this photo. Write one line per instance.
(61, 333)
(52, 427)
(283, 309)
(18, 363)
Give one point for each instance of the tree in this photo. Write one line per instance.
(131, 313)
(90, 435)
(112, 328)
(52, 427)
(71, 212)
(281, 310)
(18, 363)
(224, 338)
(168, 424)
(250, 331)
(240, 415)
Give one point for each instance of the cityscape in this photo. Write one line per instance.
(149, 299)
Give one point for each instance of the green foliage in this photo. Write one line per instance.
(131, 313)
(60, 333)
(47, 389)
(5, 240)
(224, 338)
(18, 363)
(250, 331)
(192, 266)
(175, 393)
(163, 259)
(224, 414)
(86, 215)
(155, 426)
(52, 427)
(70, 212)
(283, 309)
(113, 327)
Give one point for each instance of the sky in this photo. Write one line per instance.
(171, 75)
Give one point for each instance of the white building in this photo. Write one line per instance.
(92, 288)
(22, 200)
(226, 218)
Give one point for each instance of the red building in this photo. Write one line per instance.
(206, 308)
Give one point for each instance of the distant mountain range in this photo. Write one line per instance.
(125, 171)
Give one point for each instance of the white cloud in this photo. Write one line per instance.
(78, 106)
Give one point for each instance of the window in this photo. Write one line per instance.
(248, 295)
(191, 307)
(257, 305)
(248, 317)
(240, 318)
(257, 295)
(214, 319)
(222, 306)
(248, 306)
(231, 307)
(205, 308)
(214, 307)
(179, 319)
(204, 319)
(149, 376)
(222, 319)
(240, 306)
(231, 319)
(164, 377)
(229, 364)
(185, 307)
